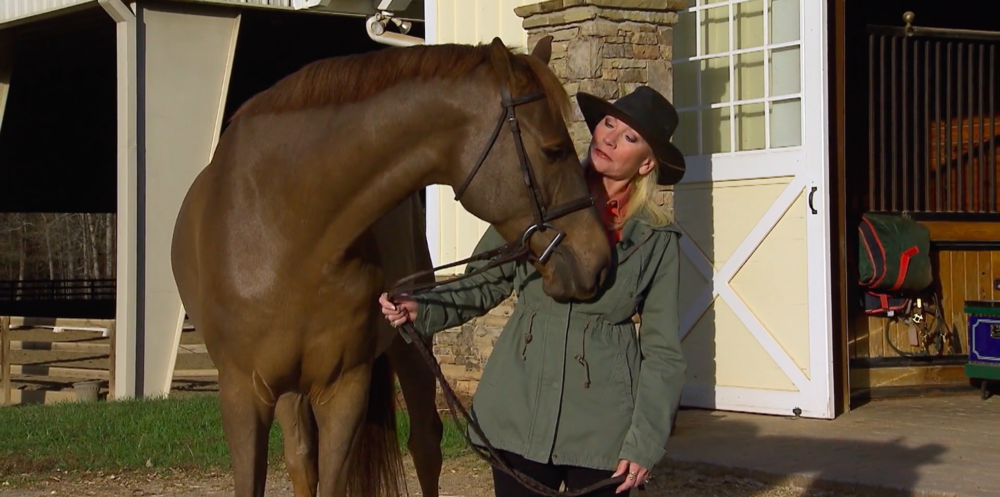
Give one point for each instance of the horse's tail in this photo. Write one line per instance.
(377, 468)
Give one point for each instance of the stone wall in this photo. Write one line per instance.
(603, 47)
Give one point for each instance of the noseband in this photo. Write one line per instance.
(497, 257)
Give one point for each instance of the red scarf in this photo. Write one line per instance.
(612, 210)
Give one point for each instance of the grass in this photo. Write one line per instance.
(177, 433)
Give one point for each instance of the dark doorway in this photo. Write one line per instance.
(58, 140)
(877, 350)
(274, 44)
(58, 157)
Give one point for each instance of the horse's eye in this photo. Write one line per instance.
(555, 153)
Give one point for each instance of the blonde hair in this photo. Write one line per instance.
(641, 201)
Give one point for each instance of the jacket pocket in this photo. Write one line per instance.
(494, 369)
(511, 348)
(628, 368)
(613, 359)
(623, 303)
(625, 371)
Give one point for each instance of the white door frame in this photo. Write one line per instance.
(816, 71)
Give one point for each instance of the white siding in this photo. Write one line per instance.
(278, 4)
(346, 7)
(465, 21)
(11, 10)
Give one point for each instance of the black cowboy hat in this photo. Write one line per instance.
(652, 116)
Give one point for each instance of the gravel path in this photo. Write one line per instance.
(461, 477)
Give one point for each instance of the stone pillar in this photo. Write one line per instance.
(605, 47)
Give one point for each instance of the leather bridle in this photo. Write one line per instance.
(542, 216)
(497, 257)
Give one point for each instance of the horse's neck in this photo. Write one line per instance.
(384, 150)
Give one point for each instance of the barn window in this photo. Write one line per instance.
(737, 77)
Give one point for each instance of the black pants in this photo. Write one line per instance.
(550, 475)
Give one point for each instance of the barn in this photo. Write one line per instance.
(798, 118)
(137, 93)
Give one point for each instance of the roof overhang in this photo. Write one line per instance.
(24, 11)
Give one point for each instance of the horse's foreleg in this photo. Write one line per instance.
(340, 412)
(419, 390)
(247, 420)
(298, 427)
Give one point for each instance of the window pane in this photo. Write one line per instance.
(686, 84)
(786, 123)
(749, 75)
(715, 30)
(715, 132)
(784, 20)
(750, 126)
(685, 36)
(686, 136)
(715, 80)
(749, 27)
(785, 71)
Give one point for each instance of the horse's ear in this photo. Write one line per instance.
(543, 49)
(500, 57)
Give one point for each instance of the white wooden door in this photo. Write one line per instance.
(750, 85)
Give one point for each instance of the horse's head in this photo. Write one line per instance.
(531, 185)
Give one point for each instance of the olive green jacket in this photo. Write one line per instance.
(572, 383)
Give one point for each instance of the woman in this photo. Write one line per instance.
(570, 392)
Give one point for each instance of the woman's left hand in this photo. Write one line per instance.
(636, 475)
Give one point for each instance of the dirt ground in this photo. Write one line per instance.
(461, 477)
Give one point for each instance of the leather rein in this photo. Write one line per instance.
(496, 258)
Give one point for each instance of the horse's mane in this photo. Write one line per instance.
(354, 78)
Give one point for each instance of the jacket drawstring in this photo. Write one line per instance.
(581, 359)
(527, 338)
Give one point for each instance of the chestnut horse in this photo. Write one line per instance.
(307, 212)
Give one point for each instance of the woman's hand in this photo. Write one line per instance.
(637, 475)
(401, 312)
